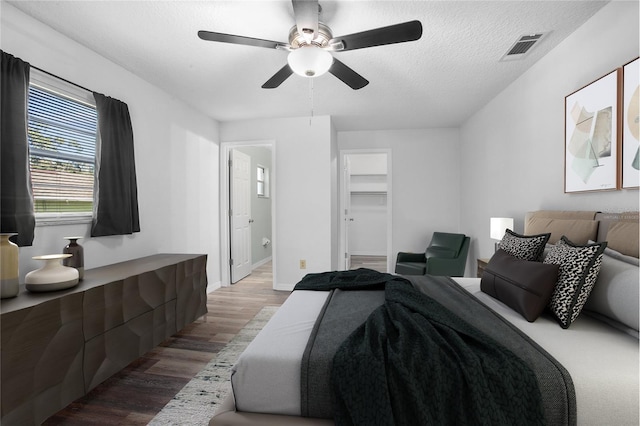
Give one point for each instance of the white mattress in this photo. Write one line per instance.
(266, 377)
(602, 361)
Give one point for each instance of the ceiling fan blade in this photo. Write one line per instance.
(306, 13)
(236, 39)
(398, 33)
(347, 75)
(278, 78)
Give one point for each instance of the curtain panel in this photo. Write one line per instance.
(115, 190)
(16, 199)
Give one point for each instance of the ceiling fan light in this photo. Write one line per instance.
(310, 61)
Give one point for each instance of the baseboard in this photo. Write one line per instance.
(284, 287)
(261, 262)
(213, 286)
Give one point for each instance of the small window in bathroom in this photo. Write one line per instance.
(262, 178)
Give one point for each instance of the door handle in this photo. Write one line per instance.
(250, 220)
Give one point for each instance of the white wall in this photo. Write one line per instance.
(368, 164)
(368, 230)
(513, 148)
(304, 208)
(335, 195)
(425, 175)
(176, 151)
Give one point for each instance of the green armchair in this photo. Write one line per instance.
(446, 255)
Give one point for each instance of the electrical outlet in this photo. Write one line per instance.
(303, 264)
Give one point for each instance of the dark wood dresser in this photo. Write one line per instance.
(57, 346)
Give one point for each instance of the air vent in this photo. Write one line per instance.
(522, 47)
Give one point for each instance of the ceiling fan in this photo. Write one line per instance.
(311, 43)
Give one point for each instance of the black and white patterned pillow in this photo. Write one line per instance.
(525, 247)
(579, 268)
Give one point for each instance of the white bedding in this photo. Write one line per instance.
(602, 361)
(266, 377)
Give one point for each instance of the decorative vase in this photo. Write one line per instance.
(77, 252)
(52, 276)
(9, 272)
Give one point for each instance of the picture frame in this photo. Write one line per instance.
(630, 161)
(592, 136)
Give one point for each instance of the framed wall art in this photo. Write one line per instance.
(630, 125)
(592, 136)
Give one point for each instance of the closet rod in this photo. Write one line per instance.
(63, 79)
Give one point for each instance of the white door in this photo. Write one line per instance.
(240, 190)
(346, 203)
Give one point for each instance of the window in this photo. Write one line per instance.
(62, 130)
(262, 179)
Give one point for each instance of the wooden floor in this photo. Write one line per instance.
(377, 263)
(136, 394)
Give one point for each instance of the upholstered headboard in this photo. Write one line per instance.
(620, 230)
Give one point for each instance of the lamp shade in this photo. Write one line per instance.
(499, 225)
(310, 61)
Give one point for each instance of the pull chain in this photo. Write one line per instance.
(311, 98)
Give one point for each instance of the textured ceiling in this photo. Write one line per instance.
(437, 81)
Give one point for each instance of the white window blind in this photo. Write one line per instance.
(62, 132)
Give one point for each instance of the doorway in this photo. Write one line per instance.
(247, 203)
(365, 197)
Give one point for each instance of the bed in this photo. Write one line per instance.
(585, 363)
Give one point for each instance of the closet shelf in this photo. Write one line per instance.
(369, 192)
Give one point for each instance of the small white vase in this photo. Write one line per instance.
(52, 276)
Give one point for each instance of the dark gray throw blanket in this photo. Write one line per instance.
(414, 362)
(343, 312)
(358, 279)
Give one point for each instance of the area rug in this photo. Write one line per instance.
(196, 403)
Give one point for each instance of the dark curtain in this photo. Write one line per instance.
(115, 190)
(16, 200)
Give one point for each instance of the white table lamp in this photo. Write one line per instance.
(498, 227)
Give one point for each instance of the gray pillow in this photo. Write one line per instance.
(616, 292)
(622, 257)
